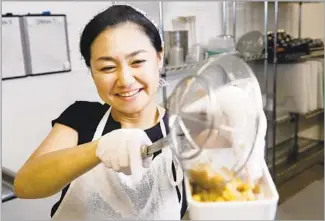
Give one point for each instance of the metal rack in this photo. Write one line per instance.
(296, 159)
(304, 152)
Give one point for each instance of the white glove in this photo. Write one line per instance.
(120, 150)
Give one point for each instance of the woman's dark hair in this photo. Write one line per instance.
(114, 16)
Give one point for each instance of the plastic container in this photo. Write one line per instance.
(221, 44)
(176, 56)
(263, 209)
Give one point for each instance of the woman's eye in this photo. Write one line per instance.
(109, 68)
(138, 61)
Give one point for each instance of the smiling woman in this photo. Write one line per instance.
(93, 153)
(127, 76)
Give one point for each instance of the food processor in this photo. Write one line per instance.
(217, 133)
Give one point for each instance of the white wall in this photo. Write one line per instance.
(29, 105)
(313, 20)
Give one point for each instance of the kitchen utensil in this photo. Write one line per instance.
(176, 56)
(166, 37)
(180, 39)
(221, 44)
(176, 39)
(198, 53)
(197, 109)
(205, 121)
(251, 44)
(186, 23)
(196, 116)
(192, 29)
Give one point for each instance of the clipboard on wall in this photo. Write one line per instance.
(13, 59)
(47, 45)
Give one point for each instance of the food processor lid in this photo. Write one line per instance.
(216, 109)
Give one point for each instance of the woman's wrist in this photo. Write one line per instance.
(95, 148)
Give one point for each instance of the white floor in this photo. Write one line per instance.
(308, 204)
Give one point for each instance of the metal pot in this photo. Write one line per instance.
(176, 39)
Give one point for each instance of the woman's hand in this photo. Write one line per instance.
(120, 150)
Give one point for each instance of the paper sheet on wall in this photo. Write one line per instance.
(12, 49)
(47, 43)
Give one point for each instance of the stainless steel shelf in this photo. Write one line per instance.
(303, 58)
(253, 58)
(314, 54)
(313, 113)
(171, 71)
(177, 71)
(281, 152)
(288, 2)
(285, 118)
(283, 149)
(278, 120)
(307, 159)
(310, 151)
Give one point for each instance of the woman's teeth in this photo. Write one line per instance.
(129, 94)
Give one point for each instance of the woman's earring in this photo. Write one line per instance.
(163, 82)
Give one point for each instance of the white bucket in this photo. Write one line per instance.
(263, 209)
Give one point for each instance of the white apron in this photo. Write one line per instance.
(103, 194)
